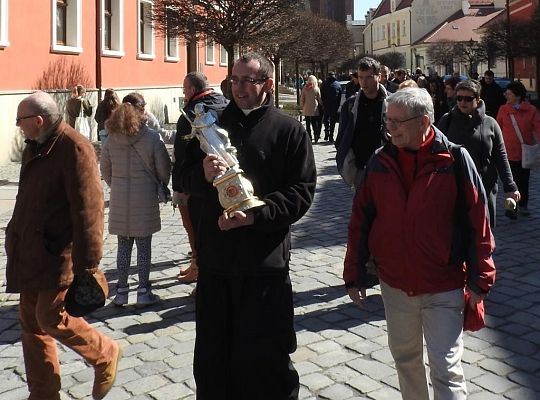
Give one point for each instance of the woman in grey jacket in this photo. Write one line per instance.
(467, 124)
(133, 152)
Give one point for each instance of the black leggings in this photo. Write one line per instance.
(521, 177)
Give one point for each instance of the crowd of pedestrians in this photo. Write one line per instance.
(423, 155)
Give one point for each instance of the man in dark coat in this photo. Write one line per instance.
(196, 91)
(331, 92)
(244, 307)
(492, 94)
(55, 233)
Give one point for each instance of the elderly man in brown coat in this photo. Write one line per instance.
(55, 233)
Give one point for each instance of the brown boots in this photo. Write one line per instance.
(189, 275)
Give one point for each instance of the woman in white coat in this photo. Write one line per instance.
(131, 154)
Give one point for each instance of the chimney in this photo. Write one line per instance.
(465, 6)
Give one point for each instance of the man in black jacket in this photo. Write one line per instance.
(245, 329)
(196, 91)
(331, 92)
(492, 94)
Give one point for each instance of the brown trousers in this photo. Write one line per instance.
(188, 226)
(44, 320)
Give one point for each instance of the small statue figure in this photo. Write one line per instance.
(234, 190)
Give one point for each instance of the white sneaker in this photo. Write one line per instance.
(121, 297)
(145, 297)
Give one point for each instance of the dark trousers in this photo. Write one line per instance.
(314, 122)
(245, 334)
(330, 125)
(521, 177)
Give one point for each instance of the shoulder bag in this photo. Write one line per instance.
(530, 153)
(81, 123)
(163, 192)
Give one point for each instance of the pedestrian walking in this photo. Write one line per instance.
(492, 94)
(312, 108)
(133, 158)
(244, 305)
(361, 129)
(404, 222)
(196, 90)
(78, 105)
(56, 234)
(516, 118)
(104, 110)
(467, 124)
(331, 92)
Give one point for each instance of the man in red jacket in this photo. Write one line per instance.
(56, 232)
(429, 239)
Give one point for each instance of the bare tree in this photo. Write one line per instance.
(442, 53)
(392, 60)
(470, 53)
(60, 74)
(228, 22)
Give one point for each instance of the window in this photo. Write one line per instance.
(383, 32)
(393, 29)
(403, 31)
(112, 33)
(222, 56)
(4, 23)
(171, 45)
(210, 51)
(145, 30)
(66, 27)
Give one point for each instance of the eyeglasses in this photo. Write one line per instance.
(19, 119)
(468, 99)
(240, 81)
(396, 122)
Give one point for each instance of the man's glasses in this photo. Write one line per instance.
(397, 122)
(468, 99)
(19, 119)
(241, 81)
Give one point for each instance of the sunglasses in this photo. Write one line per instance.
(468, 99)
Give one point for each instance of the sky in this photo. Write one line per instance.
(361, 6)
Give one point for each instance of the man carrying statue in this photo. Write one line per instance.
(244, 306)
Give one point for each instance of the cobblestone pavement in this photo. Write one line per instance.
(342, 350)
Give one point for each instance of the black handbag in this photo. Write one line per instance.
(86, 293)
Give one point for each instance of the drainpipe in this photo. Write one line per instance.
(98, 48)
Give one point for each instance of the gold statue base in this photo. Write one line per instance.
(236, 191)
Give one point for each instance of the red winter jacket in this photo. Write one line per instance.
(414, 238)
(528, 121)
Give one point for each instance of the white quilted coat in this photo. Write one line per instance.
(134, 206)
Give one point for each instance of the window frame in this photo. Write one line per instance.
(209, 43)
(172, 45)
(73, 27)
(223, 62)
(117, 29)
(145, 32)
(4, 40)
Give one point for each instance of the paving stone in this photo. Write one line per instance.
(172, 392)
(385, 394)
(316, 381)
(336, 392)
(302, 354)
(373, 369)
(364, 384)
(333, 358)
(522, 394)
(494, 383)
(145, 384)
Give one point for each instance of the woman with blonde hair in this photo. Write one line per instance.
(138, 157)
(312, 107)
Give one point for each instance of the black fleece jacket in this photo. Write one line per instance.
(275, 153)
(481, 136)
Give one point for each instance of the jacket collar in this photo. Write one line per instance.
(440, 145)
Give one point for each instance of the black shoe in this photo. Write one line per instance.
(512, 214)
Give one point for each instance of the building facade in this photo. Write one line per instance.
(403, 25)
(102, 43)
(336, 10)
(526, 69)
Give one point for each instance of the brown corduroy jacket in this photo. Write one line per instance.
(57, 225)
